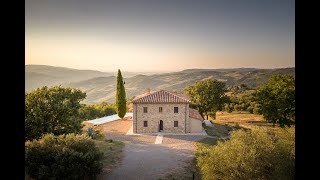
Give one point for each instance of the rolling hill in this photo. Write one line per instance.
(42, 75)
(100, 86)
(103, 88)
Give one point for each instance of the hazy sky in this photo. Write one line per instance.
(160, 35)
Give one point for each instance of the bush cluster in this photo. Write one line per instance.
(68, 156)
(256, 154)
(251, 107)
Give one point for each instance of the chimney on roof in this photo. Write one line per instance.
(148, 91)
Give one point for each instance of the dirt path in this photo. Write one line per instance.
(143, 159)
(152, 161)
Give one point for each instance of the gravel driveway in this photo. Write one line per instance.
(142, 159)
(146, 161)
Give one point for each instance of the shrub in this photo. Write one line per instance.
(243, 106)
(237, 107)
(91, 132)
(62, 157)
(228, 108)
(250, 109)
(99, 135)
(257, 109)
(257, 154)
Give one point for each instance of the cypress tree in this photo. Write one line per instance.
(121, 96)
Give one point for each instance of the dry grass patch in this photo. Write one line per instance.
(118, 126)
(184, 173)
(112, 153)
(241, 119)
(226, 122)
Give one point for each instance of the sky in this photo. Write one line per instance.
(160, 35)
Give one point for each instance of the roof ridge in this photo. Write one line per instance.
(174, 96)
(177, 95)
(146, 95)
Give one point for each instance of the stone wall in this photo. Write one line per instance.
(134, 122)
(153, 116)
(196, 125)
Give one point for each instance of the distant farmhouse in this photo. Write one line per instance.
(164, 111)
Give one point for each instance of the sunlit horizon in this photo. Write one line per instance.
(163, 36)
(159, 71)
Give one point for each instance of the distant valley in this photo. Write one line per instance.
(100, 86)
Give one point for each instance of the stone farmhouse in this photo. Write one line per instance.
(164, 111)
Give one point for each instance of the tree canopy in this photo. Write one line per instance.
(121, 96)
(92, 111)
(52, 110)
(208, 96)
(277, 99)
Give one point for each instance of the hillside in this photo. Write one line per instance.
(42, 75)
(221, 70)
(100, 86)
(103, 88)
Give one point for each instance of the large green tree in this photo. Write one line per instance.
(121, 96)
(207, 96)
(277, 99)
(52, 110)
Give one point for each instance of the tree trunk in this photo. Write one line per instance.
(207, 117)
(201, 113)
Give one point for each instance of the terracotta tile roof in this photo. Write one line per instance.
(161, 96)
(182, 95)
(193, 113)
(130, 106)
(142, 95)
